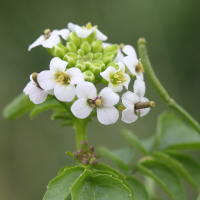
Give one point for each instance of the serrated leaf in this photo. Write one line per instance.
(164, 176)
(132, 139)
(191, 165)
(49, 104)
(175, 165)
(140, 192)
(174, 133)
(100, 187)
(59, 187)
(18, 106)
(110, 155)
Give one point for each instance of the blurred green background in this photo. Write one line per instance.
(32, 151)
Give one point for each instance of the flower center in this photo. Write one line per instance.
(89, 26)
(47, 33)
(139, 67)
(97, 102)
(117, 78)
(62, 78)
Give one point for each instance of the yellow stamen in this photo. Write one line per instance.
(89, 25)
(98, 102)
(120, 73)
(47, 31)
(115, 76)
(118, 81)
(111, 80)
(124, 79)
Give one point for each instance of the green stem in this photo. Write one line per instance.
(80, 126)
(150, 187)
(158, 86)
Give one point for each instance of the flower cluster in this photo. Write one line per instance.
(84, 61)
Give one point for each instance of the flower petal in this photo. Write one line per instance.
(116, 87)
(51, 92)
(100, 35)
(129, 51)
(128, 115)
(37, 95)
(38, 42)
(80, 108)
(121, 67)
(140, 76)
(75, 75)
(131, 63)
(57, 65)
(105, 44)
(109, 98)
(108, 73)
(128, 79)
(64, 33)
(119, 57)
(86, 90)
(71, 26)
(139, 88)
(82, 32)
(64, 92)
(28, 87)
(51, 41)
(130, 99)
(144, 111)
(46, 80)
(107, 115)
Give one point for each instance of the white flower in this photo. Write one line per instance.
(116, 77)
(88, 100)
(131, 61)
(61, 80)
(129, 99)
(84, 32)
(50, 38)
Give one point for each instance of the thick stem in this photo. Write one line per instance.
(80, 126)
(158, 86)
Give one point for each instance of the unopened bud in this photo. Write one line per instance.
(86, 47)
(80, 52)
(70, 58)
(97, 56)
(83, 144)
(96, 67)
(93, 161)
(89, 76)
(58, 50)
(34, 77)
(107, 58)
(75, 39)
(90, 38)
(76, 154)
(112, 64)
(90, 56)
(97, 46)
(71, 47)
(111, 49)
(80, 65)
(92, 148)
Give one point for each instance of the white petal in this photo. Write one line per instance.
(51, 41)
(129, 51)
(46, 80)
(57, 65)
(38, 42)
(37, 95)
(121, 67)
(128, 79)
(116, 87)
(128, 115)
(64, 33)
(51, 92)
(105, 44)
(71, 26)
(86, 90)
(108, 73)
(82, 32)
(100, 35)
(131, 63)
(139, 88)
(119, 57)
(107, 115)
(28, 87)
(64, 92)
(75, 75)
(109, 98)
(140, 76)
(80, 108)
(144, 111)
(130, 99)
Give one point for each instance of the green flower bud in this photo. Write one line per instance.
(80, 65)
(75, 39)
(79, 57)
(86, 47)
(112, 64)
(87, 64)
(89, 76)
(80, 52)
(90, 38)
(90, 56)
(111, 49)
(58, 50)
(107, 58)
(96, 67)
(71, 47)
(97, 46)
(97, 56)
(70, 58)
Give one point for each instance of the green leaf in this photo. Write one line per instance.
(132, 139)
(59, 187)
(140, 191)
(60, 115)
(175, 165)
(18, 106)
(49, 104)
(174, 133)
(62, 169)
(164, 176)
(148, 143)
(100, 187)
(104, 172)
(191, 165)
(110, 155)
